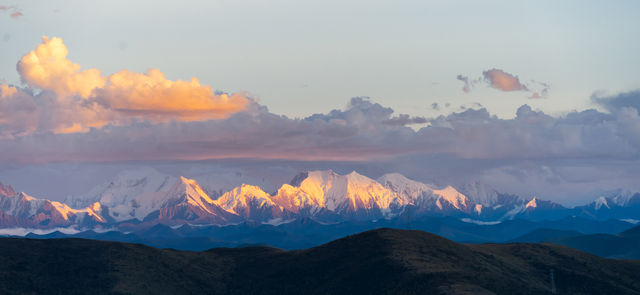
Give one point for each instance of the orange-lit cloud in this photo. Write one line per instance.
(48, 68)
(71, 99)
(154, 97)
(504, 81)
(6, 90)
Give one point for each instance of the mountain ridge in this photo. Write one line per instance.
(147, 195)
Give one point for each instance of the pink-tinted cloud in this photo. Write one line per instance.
(70, 99)
(14, 12)
(503, 81)
(542, 94)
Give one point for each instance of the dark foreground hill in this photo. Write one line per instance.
(381, 261)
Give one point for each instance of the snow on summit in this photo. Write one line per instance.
(147, 195)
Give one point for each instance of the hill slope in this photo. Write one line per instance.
(381, 261)
(624, 245)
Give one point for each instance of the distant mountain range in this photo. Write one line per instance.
(144, 197)
(624, 245)
(383, 261)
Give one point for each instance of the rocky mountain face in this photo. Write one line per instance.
(22, 210)
(6, 190)
(148, 196)
(618, 205)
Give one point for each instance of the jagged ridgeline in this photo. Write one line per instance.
(148, 196)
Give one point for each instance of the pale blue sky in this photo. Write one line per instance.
(304, 57)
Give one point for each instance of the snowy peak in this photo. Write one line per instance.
(125, 188)
(326, 192)
(242, 197)
(625, 198)
(183, 192)
(410, 189)
(364, 192)
(191, 192)
(532, 204)
(216, 183)
(326, 196)
(297, 180)
(250, 202)
(7, 190)
(618, 204)
(349, 192)
(454, 198)
(399, 180)
(615, 199)
(480, 193)
(421, 194)
(601, 202)
(187, 202)
(28, 211)
(537, 204)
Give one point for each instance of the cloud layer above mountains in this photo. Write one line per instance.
(66, 113)
(363, 131)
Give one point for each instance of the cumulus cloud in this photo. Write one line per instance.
(405, 119)
(532, 135)
(152, 96)
(48, 68)
(363, 131)
(360, 132)
(503, 81)
(620, 101)
(61, 97)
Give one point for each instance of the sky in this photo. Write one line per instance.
(532, 97)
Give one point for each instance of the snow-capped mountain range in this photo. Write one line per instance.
(146, 196)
